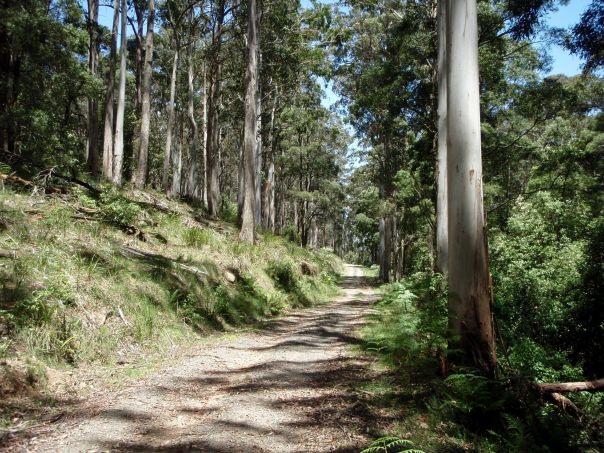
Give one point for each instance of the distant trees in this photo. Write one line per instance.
(172, 114)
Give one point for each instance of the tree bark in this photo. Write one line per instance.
(92, 156)
(212, 142)
(259, 149)
(442, 245)
(204, 192)
(168, 147)
(140, 174)
(248, 218)
(269, 187)
(118, 147)
(193, 170)
(564, 387)
(470, 322)
(138, 62)
(109, 97)
(384, 249)
(177, 162)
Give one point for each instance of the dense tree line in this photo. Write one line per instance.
(217, 102)
(464, 142)
(450, 101)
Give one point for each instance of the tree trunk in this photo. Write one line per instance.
(177, 163)
(168, 147)
(269, 187)
(118, 147)
(384, 249)
(193, 171)
(204, 192)
(138, 61)
(212, 142)
(248, 218)
(109, 97)
(442, 245)
(259, 149)
(470, 322)
(92, 156)
(140, 174)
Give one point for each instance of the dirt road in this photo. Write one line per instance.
(285, 389)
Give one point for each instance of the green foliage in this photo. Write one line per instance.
(196, 237)
(117, 209)
(391, 444)
(410, 323)
(284, 274)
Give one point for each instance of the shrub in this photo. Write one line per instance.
(284, 274)
(118, 210)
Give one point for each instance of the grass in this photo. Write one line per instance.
(76, 294)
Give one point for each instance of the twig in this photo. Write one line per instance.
(121, 313)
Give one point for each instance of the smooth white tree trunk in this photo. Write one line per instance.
(470, 321)
(118, 146)
(109, 97)
(442, 243)
(193, 170)
(170, 126)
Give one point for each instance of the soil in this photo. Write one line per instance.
(290, 387)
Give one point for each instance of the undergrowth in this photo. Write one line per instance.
(80, 290)
(464, 411)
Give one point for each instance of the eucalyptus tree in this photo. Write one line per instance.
(92, 151)
(140, 173)
(109, 97)
(118, 145)
(218, 14)
(248, 217)
(442, 240)
(470, 319)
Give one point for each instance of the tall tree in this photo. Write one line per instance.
(170, 124)
(442, 243)
(193, 178)
(93, 103)
(118, 146)
(140, 174)
(212, 141)
(248, 218)
(109, 97)
(470, 321)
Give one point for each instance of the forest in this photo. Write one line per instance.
(178, 170)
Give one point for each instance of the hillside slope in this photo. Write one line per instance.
(110, 283)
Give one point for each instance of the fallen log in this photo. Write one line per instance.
(564, 387)
(553, 393)
(52, 172)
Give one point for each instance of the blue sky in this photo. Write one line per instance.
(562, 61)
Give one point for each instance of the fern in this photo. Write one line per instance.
(5, 168)
(391, 444)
